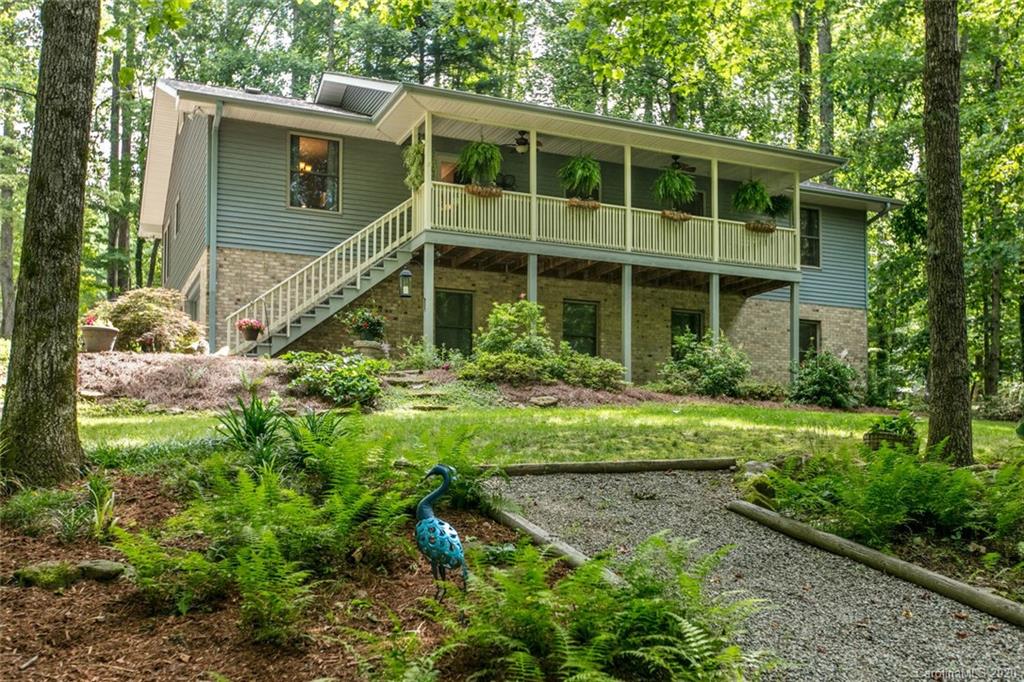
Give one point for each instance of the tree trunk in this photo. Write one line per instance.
(802, 27)
(114, 286)
(826, 110)
(40, 415)
(950, 409)
(7, 246)
(152, 261)
(140, 246)
(994, 318)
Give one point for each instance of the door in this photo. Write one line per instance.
(453, 320)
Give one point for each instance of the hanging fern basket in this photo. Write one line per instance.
(589, 204)
(677, 216)
(488, 191)
(762, 226)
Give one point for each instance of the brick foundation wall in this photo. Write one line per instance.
(760, 327)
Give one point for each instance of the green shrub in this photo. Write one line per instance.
(34, 512)
(1007, 405)
(758, 390)
(255, 427)
(344, 378)
(903, 424)
(704, 368)
(507, 367)
(824, 379)
(1004, 504)
(171, 578)
(150, 319)
(660, 623)
(100, 503)
(415, 355)
(274, 592)
(580, 369)
(518, 328)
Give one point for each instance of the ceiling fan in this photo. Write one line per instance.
(679, 165)
(521, 143)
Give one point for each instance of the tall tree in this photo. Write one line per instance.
(7, 231)
(803, 29)
(40, 419)
(950, 407)
(826, 108)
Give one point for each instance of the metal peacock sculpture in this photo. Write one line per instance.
(436, 538)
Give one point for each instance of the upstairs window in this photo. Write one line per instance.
(579, 326)
(810, 237)
(313, 179)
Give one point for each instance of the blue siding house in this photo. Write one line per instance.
(291, 211)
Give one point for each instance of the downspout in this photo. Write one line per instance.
(213, 144)
(881, 214)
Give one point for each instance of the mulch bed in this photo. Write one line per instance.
(96, 631)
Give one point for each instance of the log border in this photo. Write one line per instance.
(611, 467)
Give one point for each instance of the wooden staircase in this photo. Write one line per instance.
(328, 284)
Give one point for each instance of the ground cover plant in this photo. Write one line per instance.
(344, 378)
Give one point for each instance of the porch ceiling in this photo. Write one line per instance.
(489, 260)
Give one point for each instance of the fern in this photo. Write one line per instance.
(480, 162)
(274, 592)
(580, 176)
(412, 157)
(752, 196)
(674, 187)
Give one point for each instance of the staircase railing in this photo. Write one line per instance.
(278, 306)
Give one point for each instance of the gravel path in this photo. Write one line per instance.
(831, 619)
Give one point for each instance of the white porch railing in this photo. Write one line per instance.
(773, 249)
(562, 223)
(654, 234)
(455, 209)
(280, 305)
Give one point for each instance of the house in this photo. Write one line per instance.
(291, 211)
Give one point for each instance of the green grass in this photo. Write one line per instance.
(652, 431)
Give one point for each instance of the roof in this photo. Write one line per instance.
(389, 110)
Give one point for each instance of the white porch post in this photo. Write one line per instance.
(794, 329)
(627, 320)
(796, 220)
(428, 295)
(428, 181)
(627, 167)
(534, 207)
(714, 209)
(531, 278)
(715, 304)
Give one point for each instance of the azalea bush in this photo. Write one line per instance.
(149, 319)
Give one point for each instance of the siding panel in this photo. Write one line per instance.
(252, 190)
(187, 185)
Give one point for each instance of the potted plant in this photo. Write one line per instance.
(898, 430)
(752, 197)
(781, 206)
(674, 189)
(580, 177)
(412, 157)
(480, 163)
(251, 329)
(98, 335)
(368, 325)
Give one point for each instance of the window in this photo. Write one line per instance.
(192, 302)
(313, 181)
(685, 321)
(174, 217)
(810, 237)
(810, 337)
(447, 166)
(579, 326)
(453, 320)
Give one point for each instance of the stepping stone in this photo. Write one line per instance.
(90, 393)
(100, 570)
(544, 401)
(415, 381)
(49, 575)
(427, 394)
(429, 408)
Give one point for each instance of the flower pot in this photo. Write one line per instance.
(589, 204)
(875, 439)
(678, 216)
(482, 190)
(369, 348)
(98, 338)
(251, 333)
(765, 226)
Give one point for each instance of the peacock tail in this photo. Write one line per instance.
(440, 543)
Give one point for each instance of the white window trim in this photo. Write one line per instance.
(820, 242)
(288, 172)
(174, 216)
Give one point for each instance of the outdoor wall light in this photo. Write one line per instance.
(405, 283)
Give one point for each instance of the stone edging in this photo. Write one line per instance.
(992, 604)
(612, 467)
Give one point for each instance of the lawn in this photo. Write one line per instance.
(654, 430)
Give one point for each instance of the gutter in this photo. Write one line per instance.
(881, 214)
(212, 152)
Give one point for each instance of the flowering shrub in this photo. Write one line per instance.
(148, 318)
(248, 323)
(366, 324)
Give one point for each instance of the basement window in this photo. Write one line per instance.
(579, 326)
(810, 337)
(314, 173)
(683, 321)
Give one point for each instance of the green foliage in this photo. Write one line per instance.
(254, 427)
(345, 378)
(169, 578)
(415, 355)
(702, 367)
(759, 390)
(781, 205)
(752, 197)
(824, 379)
(580, 176)
(903, 424)
(580, 369)
(32, 512)
(1006, 405)
(674, 187)
(101, 504)
(518, 328)
(412, 157)
(155, 456)
(659, 623)
(480, 162)
(367, 324)
(149, 319)
(506, 367)
(274, 592)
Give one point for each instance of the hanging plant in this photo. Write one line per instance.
(412, 157)
(480, 163)
(580, 177)
(675, 188)
(752, 197)
(781, 206)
